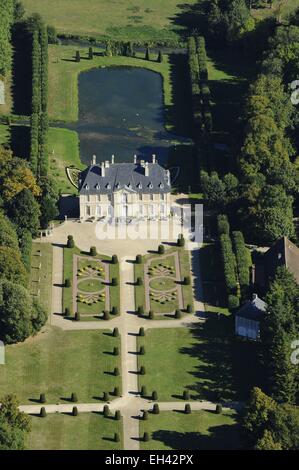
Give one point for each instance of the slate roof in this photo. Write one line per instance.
(282, 253)
(129, 176)
(253, 309)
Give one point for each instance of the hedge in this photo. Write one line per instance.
(229, 264)
(243, 259)
(223, 225)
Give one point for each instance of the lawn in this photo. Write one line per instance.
(87, 431)
(4, 134)
(284, 7)
(58, 363)
(63, 147)
(201, 430)
(125, 19)
(41, 278)
(94, 309)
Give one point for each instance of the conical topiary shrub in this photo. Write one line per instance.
(187, 409)
(218, 409)
(186, 395)
(43, 412)
(75, 411)
(117, 415)
(154, 395)
(156, 409)
(93, 251)
(74, 397)
(142, 350)
(106, 411)
(146, 437)
(143, 391)
(42, 398)
(141, 331)
(106, 396)
(145, 415)
(115, 332)
(116, 392)
(70, 241)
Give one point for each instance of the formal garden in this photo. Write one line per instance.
(163, 284)
(91, 284)
(63, 366)
(84, 431)
(200, 430)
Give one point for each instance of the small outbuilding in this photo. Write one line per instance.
(248, 318)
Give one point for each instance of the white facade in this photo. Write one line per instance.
(247, 328)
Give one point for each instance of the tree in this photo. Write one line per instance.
(11, 266)
(279, 329)
(6, 20)
(8, 235)
(48, 201)
(24, 211)
(14, 425)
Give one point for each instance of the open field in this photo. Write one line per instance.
(201, 430)
(58, 363)
(87, 431)
(41, 256)
(123, 19)
(63, 147)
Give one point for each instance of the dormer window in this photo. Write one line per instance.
(98, 187)
(108, 186)
(139, 186)
(161, 185)
(117, 185)
(86, 187)
(129, 185)
(150, 185)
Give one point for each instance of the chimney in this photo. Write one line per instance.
(107, 164)
(94, 160)
(112, 159)
(146, 169)
(153, 158)
(135, 159)
(102, 169)
(254, 296)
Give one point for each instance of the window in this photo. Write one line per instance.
(162, 197)
(151, 197)
(87, 210)
(99, 198)
(99, 211)
(140, 197)
(88, 198)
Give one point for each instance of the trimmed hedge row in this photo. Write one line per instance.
(115, 48)
(39, 116)
(243, 259)
(223, 225)
(229, 264)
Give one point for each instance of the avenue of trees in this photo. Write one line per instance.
(6, 20)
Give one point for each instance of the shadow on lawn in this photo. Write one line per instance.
(228, 368)
(219, 437)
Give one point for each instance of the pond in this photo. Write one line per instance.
(121, 112)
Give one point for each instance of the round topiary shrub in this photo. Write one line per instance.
(142, 370)
(114, 259)
(43, 412)
(140, 310)
(233, 302)
(77, 316)
(116, 392)
(67, 312)
(151, 315)
(141, 331)
(115, 332)
(189, 308)
(142, 350)
(178, 314)
(156, 409)
(161, 249)
(187, 281)
(145, 415)
(114, 310)
(114, 281)
(145, 437)
(181, 240)
(186, 395)
(138, 259)
(116, 437)
(75, 411)
(74, 397)
(143, 391)
(67, 283)
(42, 398)
(70, 241)
(139, 281)
(117, 415)
(116, 371)
(154, 395)
(106, 411)
(115, 351)
(93, 251)
(106, 315)
(187, 409)
(106, 396)
(218, 409)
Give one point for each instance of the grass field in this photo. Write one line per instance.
(63, 147)
(282, 7)
(64, 71)
(121, 19)
(41, 255)
(87, 431)
(201, 430)
(58, 363)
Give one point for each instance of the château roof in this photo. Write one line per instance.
(139, 177)
(282, 253)
(253, 309)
